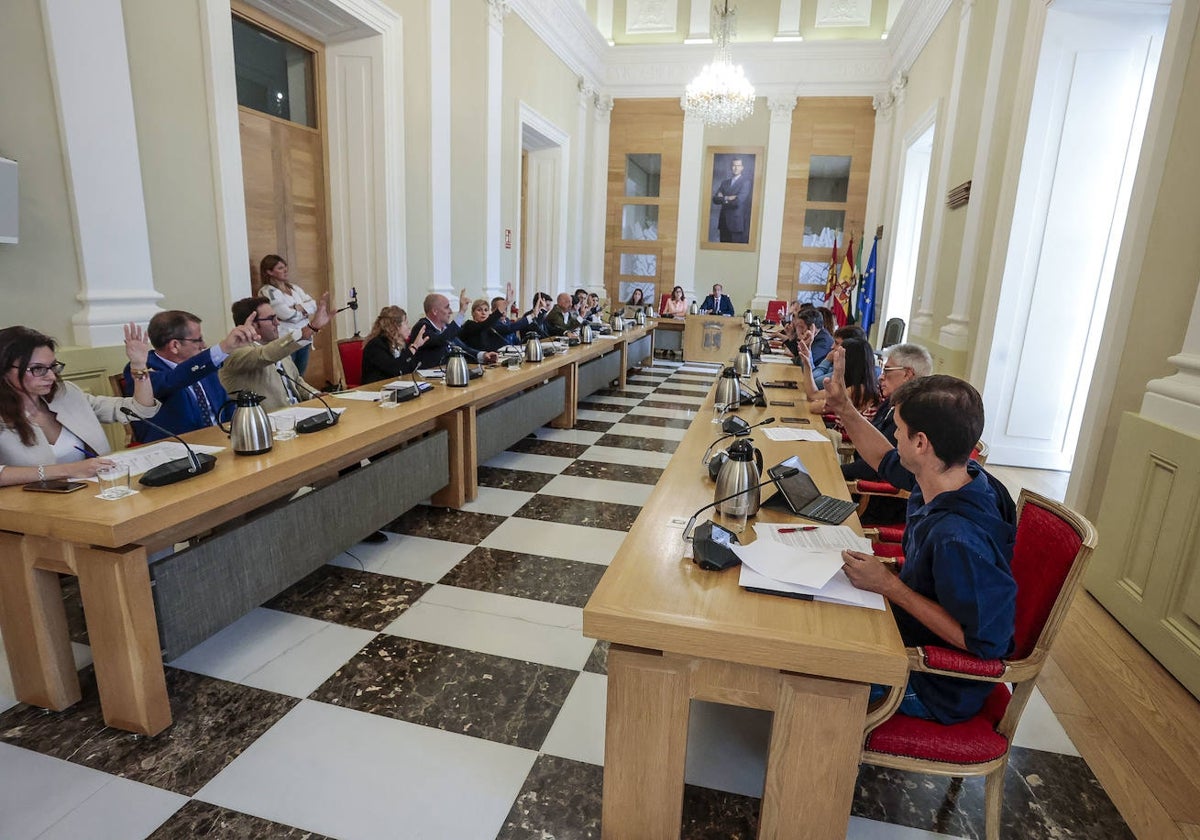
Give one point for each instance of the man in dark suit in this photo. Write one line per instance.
(443, 330)
(718, 303)
(733, 196)
(183, 372)
(821, 341)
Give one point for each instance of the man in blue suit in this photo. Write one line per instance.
(718, 303)
(184, 372)
(733, 197)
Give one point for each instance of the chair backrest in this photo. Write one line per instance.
(662, 300)
(776, 309)
(1053, 547)
(350, 351)
(116, 381)
(893, 333)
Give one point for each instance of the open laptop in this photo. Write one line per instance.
(802, 496)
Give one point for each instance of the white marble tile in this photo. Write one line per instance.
(600, 416)
(598, 490)
(357, 776)
(415, 558)
(601, 399)
(681, 399)
(570, 435)
(694, 367)
(635, 388)
(727, 747)
(690, 387)
(1039, 729)
(528, 462)
(554, 539)
(497, 501)
(639, 430)
(629, 457)
(517, 628)
(578, 731)
(669, 413)
(277, 651)
(47, 797)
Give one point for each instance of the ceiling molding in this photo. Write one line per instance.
(912, 29)
(564, 26)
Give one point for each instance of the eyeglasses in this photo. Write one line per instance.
(199, 340)
(42, 370)
(258, 320)
(892, 369)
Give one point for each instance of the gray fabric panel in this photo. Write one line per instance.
(502, 424)
(640, 350)
(204, 589)
(668, 340)
(599, 373)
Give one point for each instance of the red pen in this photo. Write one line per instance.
(794, 530)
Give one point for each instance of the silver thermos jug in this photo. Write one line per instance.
(457, 375)
(729, 390)
(639, 317)
(693, 309)
(748, 317)
(533, 347)
(618, 323)
(585, 334)
(743, 363)
(249, 427)
(740, 472)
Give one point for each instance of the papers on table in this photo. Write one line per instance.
(432, 373)
(301, 413)
(775, 359)
(397, 384)
(365, 396)
(152, 455)
(779, 433)
(804, 561)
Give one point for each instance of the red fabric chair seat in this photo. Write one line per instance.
(887, 549)
(350, 351)
(880, 488)
(891, 533)
(972, 742)
(948, 659)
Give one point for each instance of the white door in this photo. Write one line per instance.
(1091, 95)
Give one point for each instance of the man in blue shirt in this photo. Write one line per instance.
(955, 589)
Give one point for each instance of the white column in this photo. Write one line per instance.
(89, 67)
(587, 96)
(881, 165)
(954, 333)
(598, 204)
(700, 23)
(892, 105)
(789, 21)
(922, 323)
(774, 192)
(440, 279)
(687, 236)
(493, 237)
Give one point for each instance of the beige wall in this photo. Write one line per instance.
(40, 274)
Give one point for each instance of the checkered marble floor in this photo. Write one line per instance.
(438, 686)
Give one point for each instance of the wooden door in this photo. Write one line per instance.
(283, 174)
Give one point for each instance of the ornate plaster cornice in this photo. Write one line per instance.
(912, 29)
(566, 29)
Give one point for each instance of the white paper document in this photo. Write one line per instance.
(301, 413)
(365, 396)
(432, 373)
(775, 359)
(152, 455)
(804, 561)
(839, 590)
(775, 433)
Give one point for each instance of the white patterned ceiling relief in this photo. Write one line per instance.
(649, 16)
(843, 13)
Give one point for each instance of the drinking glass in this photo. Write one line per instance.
(284, 426)
(719, 411)
(114, 481)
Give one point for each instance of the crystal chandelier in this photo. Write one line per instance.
(720, 95)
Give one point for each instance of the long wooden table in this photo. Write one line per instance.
(680, 633)
(107, 544)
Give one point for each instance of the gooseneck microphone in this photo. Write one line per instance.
(742, 431)
(317, 422)
(178, 470)
(691, 523)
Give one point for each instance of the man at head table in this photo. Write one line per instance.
(183, 372)
(258, 366)
(718, 303)
(50, 429)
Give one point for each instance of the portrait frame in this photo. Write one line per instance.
(719, 168)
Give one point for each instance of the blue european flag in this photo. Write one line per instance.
(866, 291)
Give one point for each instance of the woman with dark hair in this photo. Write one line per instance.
(389, 350)
(50, 428)
(675, 306)
(293, 306)
(862, 382)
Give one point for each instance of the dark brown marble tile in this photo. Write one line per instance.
(352, 597)
(526, 576)
(646, 444)
(595, 425)
(598, 404)
(73, 603)
(561, 799)
(716, 815)
(678, 406)
(556, 448)
(200, 819)
(666, 391)
(620, 392)
(663, 422)
(580, 512)
(597, 662)
(504, 700)
(446, 524)
(614, 472)
(505, 479)
(214, 722)
(693, 378)
(1045, 795)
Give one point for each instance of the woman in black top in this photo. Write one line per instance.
(389, 349)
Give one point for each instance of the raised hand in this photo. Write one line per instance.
(321, 317)
(837, 399)
(137, 346)
(415, 341)
(241, 335)
(464, 301)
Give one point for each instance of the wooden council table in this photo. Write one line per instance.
(680, 633)
(107, 544)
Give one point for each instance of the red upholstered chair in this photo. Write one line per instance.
(1052, 549)
(776, 309)
(662, 301)
(350, 351)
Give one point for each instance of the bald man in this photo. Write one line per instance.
(563, 318)
(442, 330)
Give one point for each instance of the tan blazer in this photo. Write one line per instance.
(78, 411)
(252, 368)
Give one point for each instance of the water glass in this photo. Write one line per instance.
(719, 410)
(285, 425)
(732, 519)
(114, 481)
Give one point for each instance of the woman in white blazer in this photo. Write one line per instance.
(293, 306)
(50, 428)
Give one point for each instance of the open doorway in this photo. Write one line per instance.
(1090, 100)
(914, 188)
(543, 214)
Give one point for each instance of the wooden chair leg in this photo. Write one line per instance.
(993, 800)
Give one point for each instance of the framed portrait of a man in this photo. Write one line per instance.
(733, 197)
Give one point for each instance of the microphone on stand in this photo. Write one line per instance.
(713, 555)
(179, 469)
(315, 423)
(406, 392)
(732, 429)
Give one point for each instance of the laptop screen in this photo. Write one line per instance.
(799, 490)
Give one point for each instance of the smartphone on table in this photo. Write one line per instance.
(54, 485)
